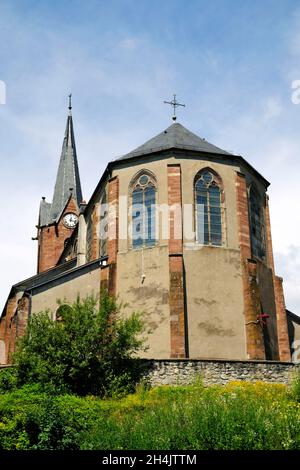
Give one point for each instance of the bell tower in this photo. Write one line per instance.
(58, 219)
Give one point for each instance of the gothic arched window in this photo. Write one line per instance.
(143, 194)
(257, 225)
(62, 311)
(208, 202)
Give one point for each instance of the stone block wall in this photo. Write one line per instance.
(212, 372)
(180, 371)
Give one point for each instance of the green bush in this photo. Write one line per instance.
(295, 386)
(8, 379)
(236, 416)
(90, 348)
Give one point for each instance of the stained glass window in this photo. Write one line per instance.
(208, 210)
(143, 212)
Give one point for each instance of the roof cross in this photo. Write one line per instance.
(175, 104)
(70, 103)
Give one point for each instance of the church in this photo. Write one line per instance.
(178, 229)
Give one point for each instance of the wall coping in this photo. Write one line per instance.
(216, 361)
(223, 361)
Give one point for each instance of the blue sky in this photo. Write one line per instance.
(231, 62)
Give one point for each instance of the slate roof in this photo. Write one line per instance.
(67, 177)
(175, 136)
(45, 208)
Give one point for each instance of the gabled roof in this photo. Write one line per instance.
(175, 136)
(67, 178)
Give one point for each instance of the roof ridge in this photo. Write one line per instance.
(175, 136)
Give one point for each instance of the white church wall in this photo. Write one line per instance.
(84, 285)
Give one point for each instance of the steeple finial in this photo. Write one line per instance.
(70, 103)
(68, 172)
(174, 103)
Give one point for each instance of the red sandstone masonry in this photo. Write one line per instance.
(174, 197)
(13, 324)
(3, 322)
(254, 333)
(282, 327)
(243, 216)
(113, 233)
(52, 241)
(269, 247)
(22, 315)
(8, 330)
(176, 293)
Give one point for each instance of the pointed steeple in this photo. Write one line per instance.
(67, 180)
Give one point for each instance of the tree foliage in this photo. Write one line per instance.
(88, 350)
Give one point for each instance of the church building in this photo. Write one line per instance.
(178, 229)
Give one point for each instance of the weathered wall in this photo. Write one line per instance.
(268, 306)
(84, 285)
(217, 372)
(150, 296)
(214, 293)
(214, 287)
(213, 275)
(216, 322)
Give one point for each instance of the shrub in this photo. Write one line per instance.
(236, 416)
(88, 349)
(295, 386)
(8, 379)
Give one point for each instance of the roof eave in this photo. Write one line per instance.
(166, 149)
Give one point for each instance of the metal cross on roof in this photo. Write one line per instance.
(175, 104)
(70, 102)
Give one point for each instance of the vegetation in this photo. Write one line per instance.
(239, 415)
(89, 350)
(71, 383)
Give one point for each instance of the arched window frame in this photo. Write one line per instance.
(217, 182)
(136, 184)
(257, 223)
(57, 314)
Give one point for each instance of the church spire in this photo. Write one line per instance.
(68, 179)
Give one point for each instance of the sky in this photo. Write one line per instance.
(232, 63)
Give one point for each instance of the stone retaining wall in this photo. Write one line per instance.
(178, 371)
(185, 371)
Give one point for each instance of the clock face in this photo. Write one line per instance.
(70, 220)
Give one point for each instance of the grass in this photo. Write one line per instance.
(239, 415)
